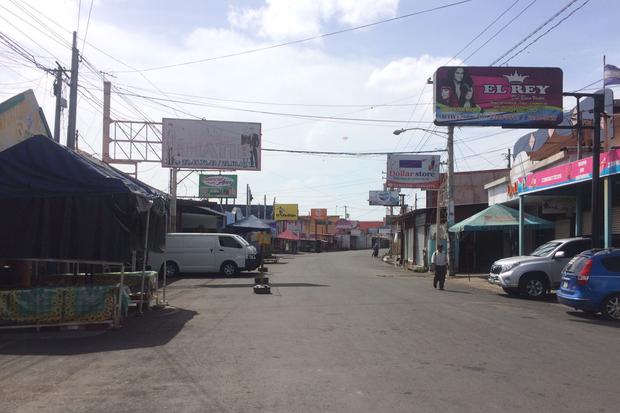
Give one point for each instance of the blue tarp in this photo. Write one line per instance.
(251, 223)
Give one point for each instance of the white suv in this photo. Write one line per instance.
(535, 274)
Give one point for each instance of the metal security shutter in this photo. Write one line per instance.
(615, 220)
(587, 223)
(419, 245)
(562, 228)
(409, 244)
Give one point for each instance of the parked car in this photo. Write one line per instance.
(591, 283)
(203, 253)
(534, 275)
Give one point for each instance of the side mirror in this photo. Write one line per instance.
(560, 254)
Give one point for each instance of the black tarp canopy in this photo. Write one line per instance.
(58, 204)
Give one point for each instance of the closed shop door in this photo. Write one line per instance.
(409, 248)
(587, 223)
(419, 245)
(562, 228)
(615, 220)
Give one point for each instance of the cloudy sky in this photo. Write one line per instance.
(199, 59)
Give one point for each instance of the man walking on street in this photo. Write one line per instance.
(439, 260)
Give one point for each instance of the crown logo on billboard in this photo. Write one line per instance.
(515, 77)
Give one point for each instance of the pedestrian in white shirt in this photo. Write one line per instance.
(439, 260)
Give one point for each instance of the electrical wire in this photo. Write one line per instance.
(546, 22)
(545, 33)
(504, 27)
(87, 25)
(133, 89)
(348, 153)
(263, 112)
(482, 32)
(292, 42)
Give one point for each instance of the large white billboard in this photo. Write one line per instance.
(413, 171)
(209, 144)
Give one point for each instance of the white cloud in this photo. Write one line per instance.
(406, 75)
(283, 75)
(282, 19)
(358, 12)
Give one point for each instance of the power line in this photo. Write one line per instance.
(132, 89)
(545, 33)
(263, 112)
(307, 39)
(500, 30)
(588, 85)
(87, 24)
(482, 32)
(428, 135)
(78, 15)
(348, 153)
(570, 3)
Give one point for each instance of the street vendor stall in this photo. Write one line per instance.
(64, 213)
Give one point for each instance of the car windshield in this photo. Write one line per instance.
(241, 240)
(545, 249)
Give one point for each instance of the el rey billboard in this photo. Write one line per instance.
(498, 96)
(285, 212)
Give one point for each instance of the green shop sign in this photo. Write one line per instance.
(217, 186)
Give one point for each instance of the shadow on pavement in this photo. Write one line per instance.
(455, 291)
(211, 276)
(596, 319)
(252, 285)
(155, 328)
(549, 298)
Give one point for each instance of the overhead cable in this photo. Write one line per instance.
(304, 40)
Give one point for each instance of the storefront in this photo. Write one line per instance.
(563, 193)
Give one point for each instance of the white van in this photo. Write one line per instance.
(196, 253)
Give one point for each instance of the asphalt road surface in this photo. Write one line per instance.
(342, 332)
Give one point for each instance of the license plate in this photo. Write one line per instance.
(565, 284)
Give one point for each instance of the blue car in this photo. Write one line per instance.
(591, 283)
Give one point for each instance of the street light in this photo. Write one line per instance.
(431, 131)
(450, 187)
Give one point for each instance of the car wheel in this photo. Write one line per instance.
(611, 307)
(533, 286)
(513, 292)
(172, 269)
(229, 269)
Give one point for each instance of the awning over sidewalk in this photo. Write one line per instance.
(499, 217)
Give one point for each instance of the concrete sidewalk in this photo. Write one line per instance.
(478, 280)
(392, 261)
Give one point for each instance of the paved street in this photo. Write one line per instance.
(342, 332)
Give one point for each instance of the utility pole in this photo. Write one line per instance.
(73, 94)
(105, 139)
(599, 105)
(247, 200)
(59, 101)
(346, 214)
(450, 203)
(173, 199)
(402, 229)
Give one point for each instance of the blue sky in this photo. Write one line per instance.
(387, 63)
